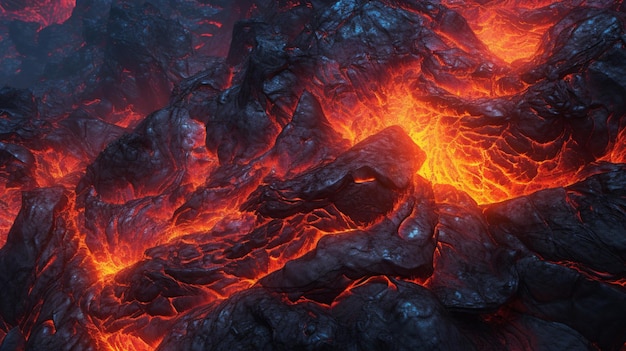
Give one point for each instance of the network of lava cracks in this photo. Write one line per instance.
(481, 164)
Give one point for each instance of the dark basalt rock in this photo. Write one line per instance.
(14, 340)
(306, 139)
(300, 240)
(400, 245)
(31, 234)
(511, 330)
(40, 268)
(471, 272)
(143, 163)
(561, 294)
(381, 166)
(581, 224)
(260, 320)
(585, 33)
(380, 315)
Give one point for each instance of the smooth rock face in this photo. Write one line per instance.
(169, 188)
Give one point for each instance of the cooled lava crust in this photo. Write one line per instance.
(312, 175)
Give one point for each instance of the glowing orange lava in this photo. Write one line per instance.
(474, 159)
(505, 26)
(459, 153)
(455, 155)
(124, 342)
(10, 202)
(618, 152)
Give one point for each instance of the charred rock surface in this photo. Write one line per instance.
(580, 224)
(312, 175)
(471, 272)
(42, 269)
(364, 177)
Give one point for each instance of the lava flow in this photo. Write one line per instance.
(312, 175)
(511, 30)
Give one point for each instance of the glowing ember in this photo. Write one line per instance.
(343, 174)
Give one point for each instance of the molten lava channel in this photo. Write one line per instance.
(205, 237)
(456, 154)
(507, 28)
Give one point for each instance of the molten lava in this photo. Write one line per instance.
(511, 30)
(455, 154)
(343, 174)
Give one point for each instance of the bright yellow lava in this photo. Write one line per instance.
(476, 160)
(452, 157)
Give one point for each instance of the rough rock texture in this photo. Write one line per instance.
(165, 187)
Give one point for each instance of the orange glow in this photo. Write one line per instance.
(472, 159)
(127, 118)
(10, 202)
(618, 152)
(58, 167)
(451, 157)
(124, 342)
(108, 266)
(498, 25)
(54, 168)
